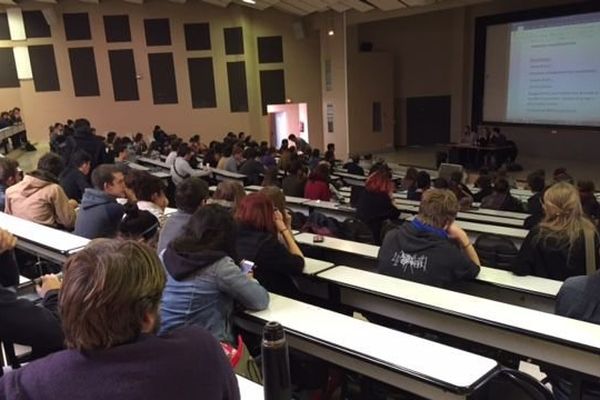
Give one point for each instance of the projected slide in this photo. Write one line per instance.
(554, 71)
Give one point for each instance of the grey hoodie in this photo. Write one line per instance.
(99, 215)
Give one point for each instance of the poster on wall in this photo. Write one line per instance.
(329, 118)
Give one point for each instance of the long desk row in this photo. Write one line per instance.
(556, 340)
(49, 243)
(219, 174)
(341, 212)
(477, 214)
(527, 291)
(417, 365)
(540, 336)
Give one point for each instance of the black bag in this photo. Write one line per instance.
(356, 230)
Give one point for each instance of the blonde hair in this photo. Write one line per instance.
(438, 207)
(564, 220)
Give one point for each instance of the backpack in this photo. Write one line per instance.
(356, 230)
(320, 224)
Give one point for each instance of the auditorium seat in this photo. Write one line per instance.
(496, 251)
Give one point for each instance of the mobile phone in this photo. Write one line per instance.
(318, 239)
(247, 266)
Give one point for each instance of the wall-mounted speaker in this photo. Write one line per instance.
(299, 31)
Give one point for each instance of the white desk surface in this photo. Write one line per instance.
(396, 349)
(313, 266)
(250, 390)
(498, 213)
(151, 161)
(226, 173)
(330, 205)
(347, 246)
(496, 230)
(139, 167)
(288, 199)
(533, 284)
(489, 219)
(535, 323)
(45, 236)
(170, 210)
(161, 174)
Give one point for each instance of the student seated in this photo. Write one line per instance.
(121, 158)
(590, 205)
(460, 190)
(555, 248)
(423, 184)
(252, 167)
(409, 182)
(181, 168)
(293, 184)
(74, 180)
(353, 167)
(139, 225)
(9, 175)
(484, 184)
(84, 139)
(501, 199)
(100, 214)
(190, 195)
(21, 321)
(231, 159)
(150, 194)
(537, 185)
(228, 194)
(260, 225)
(432, 249)
(317, 186)
(204, 279)
(39, 197)
(376, 204)
(175, 143)
(109, 305)
(578, 298)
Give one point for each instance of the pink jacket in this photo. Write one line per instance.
(40, 201)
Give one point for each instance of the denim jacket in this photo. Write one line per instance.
(201, 289)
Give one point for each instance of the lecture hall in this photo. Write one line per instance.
(299, 199)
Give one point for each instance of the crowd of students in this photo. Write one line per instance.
(86, 186)
(19, 140)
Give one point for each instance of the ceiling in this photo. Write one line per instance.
(297, 7)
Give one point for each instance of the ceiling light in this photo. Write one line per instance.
(331, 32)
(249, 1)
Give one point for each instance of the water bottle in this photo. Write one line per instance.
(275, 363)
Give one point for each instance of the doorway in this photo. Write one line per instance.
(287, 119)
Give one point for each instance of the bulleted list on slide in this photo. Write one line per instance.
(554, 75)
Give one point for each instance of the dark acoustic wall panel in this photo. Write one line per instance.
(234, 40)
(43, 67)
(8, 68)
(124, 76)
(270, 49)
(238, 88)
(197, 36)
(83, 70)
(158, 32)
(4, 31)
(162, 76)
(202, 82)
(116, 28)
(272, 88)
(36, 25)
(77, 26)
